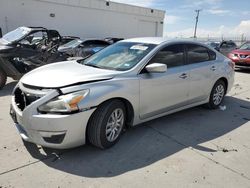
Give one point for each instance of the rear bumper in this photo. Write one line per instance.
(50, 130)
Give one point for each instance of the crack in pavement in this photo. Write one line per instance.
(25, 165)
(199, 153)
(53, 156)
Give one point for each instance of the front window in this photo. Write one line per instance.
(121, 56)
(245, 46)
(16, 34)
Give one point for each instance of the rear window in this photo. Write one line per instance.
(197, 54)
(212, 55)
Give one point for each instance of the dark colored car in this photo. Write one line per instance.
(226, 47)
(26, 48)
(66, 39)
(241, 56)
(113, 40)
(214, 45)
(82, 48)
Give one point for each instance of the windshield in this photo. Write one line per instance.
(245, 46)
(121, 56)
(213, 44)
(16, 34)
(72, 44)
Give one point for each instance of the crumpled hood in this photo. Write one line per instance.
(65, 73)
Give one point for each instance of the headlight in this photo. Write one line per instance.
(233, 55)
(64, 103)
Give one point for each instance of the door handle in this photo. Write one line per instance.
(213, 68)
(183, 76)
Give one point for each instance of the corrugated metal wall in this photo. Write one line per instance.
(84, 18)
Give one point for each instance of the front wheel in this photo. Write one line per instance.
(217, 94)
(106, 124)
(3, 79)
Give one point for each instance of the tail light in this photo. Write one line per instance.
(231, 64)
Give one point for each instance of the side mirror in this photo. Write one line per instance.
(156, 68)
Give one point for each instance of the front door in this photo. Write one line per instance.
(162, 92)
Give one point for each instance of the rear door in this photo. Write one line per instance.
(201, 62)
(162, 92)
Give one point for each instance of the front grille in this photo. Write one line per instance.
(242, 64)
(23, 99)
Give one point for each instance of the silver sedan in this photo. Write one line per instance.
(64, 104)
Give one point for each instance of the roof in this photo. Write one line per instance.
(150, 40)
(159, 40)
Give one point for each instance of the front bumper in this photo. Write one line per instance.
(241, 62)
(50, 130)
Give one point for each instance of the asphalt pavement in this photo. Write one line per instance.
(192, 148)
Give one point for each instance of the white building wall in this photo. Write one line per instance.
(84, 18)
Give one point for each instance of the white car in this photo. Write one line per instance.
(62, 105)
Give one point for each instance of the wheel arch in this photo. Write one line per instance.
(224, 79)
(129, 111)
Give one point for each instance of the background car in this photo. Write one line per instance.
(226, 47)
(26, 48)
(83, 47)
(213, 44)
(66, 39)
(241, 56)
(113, 40)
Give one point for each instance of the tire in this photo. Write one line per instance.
(219, 90)
(3, 79)
(106, 124)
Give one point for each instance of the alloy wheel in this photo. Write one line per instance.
(114, 124)
(218, 94)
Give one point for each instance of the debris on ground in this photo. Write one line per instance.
(223, 107)
(57, 157)
(227, 150)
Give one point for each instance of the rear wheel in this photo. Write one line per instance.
(3, 78)
(217, 94)
(106, 124)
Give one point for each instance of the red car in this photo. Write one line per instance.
(241, 56)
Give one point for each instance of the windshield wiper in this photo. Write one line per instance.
(92, 65)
